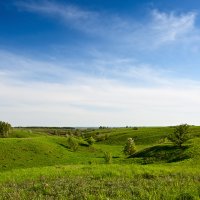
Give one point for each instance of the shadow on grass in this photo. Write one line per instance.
(67, 147)
(164, 153)
(63, 145)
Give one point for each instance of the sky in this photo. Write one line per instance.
(99, 63)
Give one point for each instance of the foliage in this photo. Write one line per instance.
(72, 143)
(108, 157)
(4, 129)
(180, 135)
(91, 140)
(129, 147)
(101, 137)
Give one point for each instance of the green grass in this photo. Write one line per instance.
(42, 151)
(24, 133)
(100, 182)
(39, 165)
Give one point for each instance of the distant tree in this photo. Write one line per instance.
(91, 140)
(4, 129)
(129, 147)
(103, 127)
(180, 135)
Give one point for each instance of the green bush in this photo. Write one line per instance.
(91, 140)
(72, 143)
(108, 157)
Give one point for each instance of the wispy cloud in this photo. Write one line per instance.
(170, 27)
(67, 12)
(24, 69)
(161, 28)
(71, 15)
(128, 71)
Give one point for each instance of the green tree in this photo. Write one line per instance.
(129, 147)
(4, 129)
(180, 135)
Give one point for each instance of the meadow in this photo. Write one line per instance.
(39, 163)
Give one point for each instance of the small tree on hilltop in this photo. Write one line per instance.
(129, 147)
(4, 129)
(180, 135)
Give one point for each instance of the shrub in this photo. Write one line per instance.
(108, 157)
(100, 137)
(129, 147)
(72, 143)
(4, 129)
(91, 140)
(180, 135)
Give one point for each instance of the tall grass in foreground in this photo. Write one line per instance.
(102, 182)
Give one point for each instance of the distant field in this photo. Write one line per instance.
(38, 162)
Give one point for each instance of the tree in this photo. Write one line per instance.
(4, 129)
(180, 135)
(129, 147)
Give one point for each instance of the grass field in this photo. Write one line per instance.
(38, 163)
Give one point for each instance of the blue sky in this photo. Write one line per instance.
(95, 62)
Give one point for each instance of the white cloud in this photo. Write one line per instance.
(170, 27)
(94, 101)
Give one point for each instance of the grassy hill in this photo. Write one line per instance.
(40, 162)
